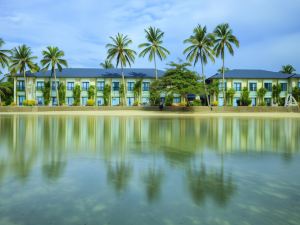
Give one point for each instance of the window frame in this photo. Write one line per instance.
(286, 87)
(268, 89)
(72, 86)
(20, 87)
(146, 86)
(130, 85)
(235, 85)
(85, 85)
(252, 87)
(116, 87)
(100, 87)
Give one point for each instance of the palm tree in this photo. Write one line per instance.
(107, 64)
(153, 46)
(224, 39)
(119, 50)
(53, 57)
(200, 49)
(4, 88)
(21, 60)
(289, 69)
(4, 57)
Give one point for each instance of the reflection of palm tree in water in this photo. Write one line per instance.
(153, 180)
(54, 168)
(203, 183)
(2, 169)
(119, 175)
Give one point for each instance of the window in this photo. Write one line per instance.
(299, 84)
(53, 85)
(176, 100)
(70, 86)
(100, 101)
(85, 86)
(84, 100)
(221, 86)
(130, 101)
(115, 101)
(283, 86)
(145, 100)
(146, 86)
(100, 86)
(21, 99)
(237, 86)
(40, 100)
(70, 100)
(253, 86)
(116, 86)
(20, 85)
(130, 86)
(268, 86)
(40, 85)
(268, 101)
(54, 101)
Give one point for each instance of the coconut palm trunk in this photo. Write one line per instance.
(123, 81)
(223, 77)
(25, 82)
(205, 89)
(155, 67)
(56, 88)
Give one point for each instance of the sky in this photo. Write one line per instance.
(268, 30)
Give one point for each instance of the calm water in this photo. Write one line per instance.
(126, 170)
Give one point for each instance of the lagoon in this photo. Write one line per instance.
(64, 169)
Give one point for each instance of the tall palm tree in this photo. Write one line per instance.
(21, 60)
(200, 49)
(224, 39)
(4, 55)
(154, 46)
(53, 57)
(107, 64)
(119, 50)
(289, 69)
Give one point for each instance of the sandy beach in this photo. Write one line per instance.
(139, 113)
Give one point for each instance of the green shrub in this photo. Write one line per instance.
(245, 100)
(46, 92)
(136, 103)
(262, 104)
(196, 102)
(29, 103)
(13, 104)
(169, 100)
(62, 93)
(215, 103)
(106, 94)
(76, 94)
(91, 92)
(90, 102)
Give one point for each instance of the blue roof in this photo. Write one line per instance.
(252, 74)
(95, 73)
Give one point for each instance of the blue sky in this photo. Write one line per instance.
(268, 30)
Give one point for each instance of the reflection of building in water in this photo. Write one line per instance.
(24, 139)
(114, 134)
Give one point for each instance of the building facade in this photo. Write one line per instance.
(253, 80)
(85, 77)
